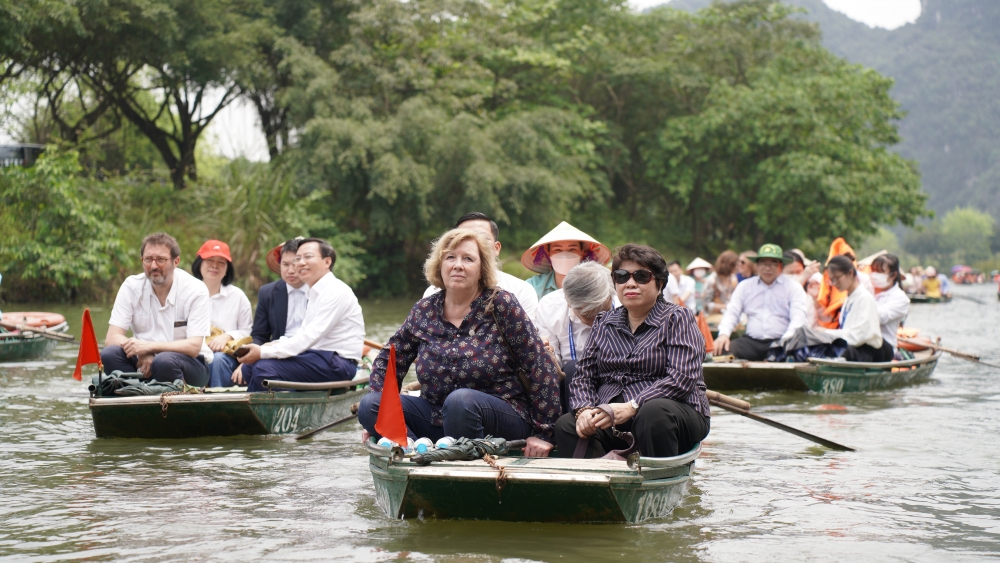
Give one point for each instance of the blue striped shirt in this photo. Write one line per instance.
(662, 359)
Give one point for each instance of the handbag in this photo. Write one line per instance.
(617, 455)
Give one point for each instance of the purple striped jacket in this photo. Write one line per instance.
(661, 360)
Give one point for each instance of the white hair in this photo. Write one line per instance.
(588, 288)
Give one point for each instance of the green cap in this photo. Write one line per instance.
(770, 251)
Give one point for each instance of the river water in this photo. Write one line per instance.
(924, 484)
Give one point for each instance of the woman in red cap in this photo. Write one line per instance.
(231, 311)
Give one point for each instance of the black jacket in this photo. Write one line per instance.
(272, 312)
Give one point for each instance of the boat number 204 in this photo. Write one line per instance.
(286, 421)
(833, 385)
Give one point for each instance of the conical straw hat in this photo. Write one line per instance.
(539, 262)
(698, 263)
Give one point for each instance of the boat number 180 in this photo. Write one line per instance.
(286, 421)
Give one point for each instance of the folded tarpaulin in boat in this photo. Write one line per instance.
(131, 385)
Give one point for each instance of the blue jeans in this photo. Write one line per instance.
(221, 369)
(466, 413)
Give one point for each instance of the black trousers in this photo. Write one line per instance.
(662, 428)
(569, 368)
(868, 353)
(746, 348)
(167, 366)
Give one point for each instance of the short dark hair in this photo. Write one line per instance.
(161, 239)
(644, 256)
(291, 245)
(793, 257)
(226, 279)
(325, 250)
(842, 265)
(477, 216)
(672, 262)
(889, 264)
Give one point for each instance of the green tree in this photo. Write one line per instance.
(966, 233)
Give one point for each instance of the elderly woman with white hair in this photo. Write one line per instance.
(564, 317)
(483, 369)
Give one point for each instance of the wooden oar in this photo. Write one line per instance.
(312, 433)
(373, 344)
(968, 298)
(957, 353)
(742, 408)
(60, 336)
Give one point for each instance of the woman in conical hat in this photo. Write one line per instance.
(555, 254)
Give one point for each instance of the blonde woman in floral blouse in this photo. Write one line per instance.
(483, 369)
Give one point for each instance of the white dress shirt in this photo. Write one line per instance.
(893, 306)
(521, 289)
(859, 320)
(296, 311)
(186, 313)
(676, 289)
(232, 313)
(554, 320)
(774, 312)
(333, 322)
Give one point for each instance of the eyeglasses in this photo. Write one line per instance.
(303, 258)
(640, 276)
(159, 261)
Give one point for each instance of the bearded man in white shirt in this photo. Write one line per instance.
(775, 306)
(169, 313)
(521, 289)
(328, 345)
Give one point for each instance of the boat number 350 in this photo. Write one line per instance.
(286, 421)
(833, 385)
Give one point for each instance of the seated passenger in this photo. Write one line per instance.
(522, 290)
(169, 313)
(699, 269)
(775, 306)
(680, 288)
(328, 345)
(643, 361)
(720, 284)
(892, 302)
(555, 254)
(935, 286)
(859, 319)
(483, 369)
(565, 317)
(231, 311)
(800, 268)
(281, 305)
(747, 266)
(813, 308)
(829, 296)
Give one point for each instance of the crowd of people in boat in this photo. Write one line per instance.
(575, 356)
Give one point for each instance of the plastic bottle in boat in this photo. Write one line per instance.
(423, 445)
(386, 443)
(445, 442)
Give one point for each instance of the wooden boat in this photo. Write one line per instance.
(819, 375)
(534, 489)
(916, 298)
(19, 346)
(226, 413)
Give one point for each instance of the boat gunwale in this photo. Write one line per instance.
(875, 365)
(239, 397)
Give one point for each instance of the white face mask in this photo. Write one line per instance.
(563, 262)
(880, 280)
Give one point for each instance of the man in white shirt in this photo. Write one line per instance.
(859, 316)
(775, 306)
(169, 313)
(521, 289)
(328, 345)
(680, 288)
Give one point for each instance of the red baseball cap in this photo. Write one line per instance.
(213, 249)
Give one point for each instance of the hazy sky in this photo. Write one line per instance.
(235, 132)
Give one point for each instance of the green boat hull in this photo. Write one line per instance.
(22, 349)
(219, 414)
(535, 489)
(821, 376)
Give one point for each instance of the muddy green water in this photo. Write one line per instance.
(924, 485)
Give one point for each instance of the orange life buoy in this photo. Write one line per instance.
(35, 319)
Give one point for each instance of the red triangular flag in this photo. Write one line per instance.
(390, 422)
(89, 352)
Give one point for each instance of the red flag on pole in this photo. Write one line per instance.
(390, 422)
(89, 352)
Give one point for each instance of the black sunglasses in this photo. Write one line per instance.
(640, 276)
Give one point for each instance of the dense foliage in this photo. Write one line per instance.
(690, 132)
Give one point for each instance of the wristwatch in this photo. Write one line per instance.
(634, 404)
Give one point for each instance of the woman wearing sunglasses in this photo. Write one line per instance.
(482, 368)
(643, 360)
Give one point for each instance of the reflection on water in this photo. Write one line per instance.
(924, 485)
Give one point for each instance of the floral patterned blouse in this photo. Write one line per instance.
(473, 356)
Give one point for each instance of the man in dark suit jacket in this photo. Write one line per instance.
(281, 305)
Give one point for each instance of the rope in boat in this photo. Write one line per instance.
(163, 401)
(501, 472)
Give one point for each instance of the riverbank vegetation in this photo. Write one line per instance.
(387, 120)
